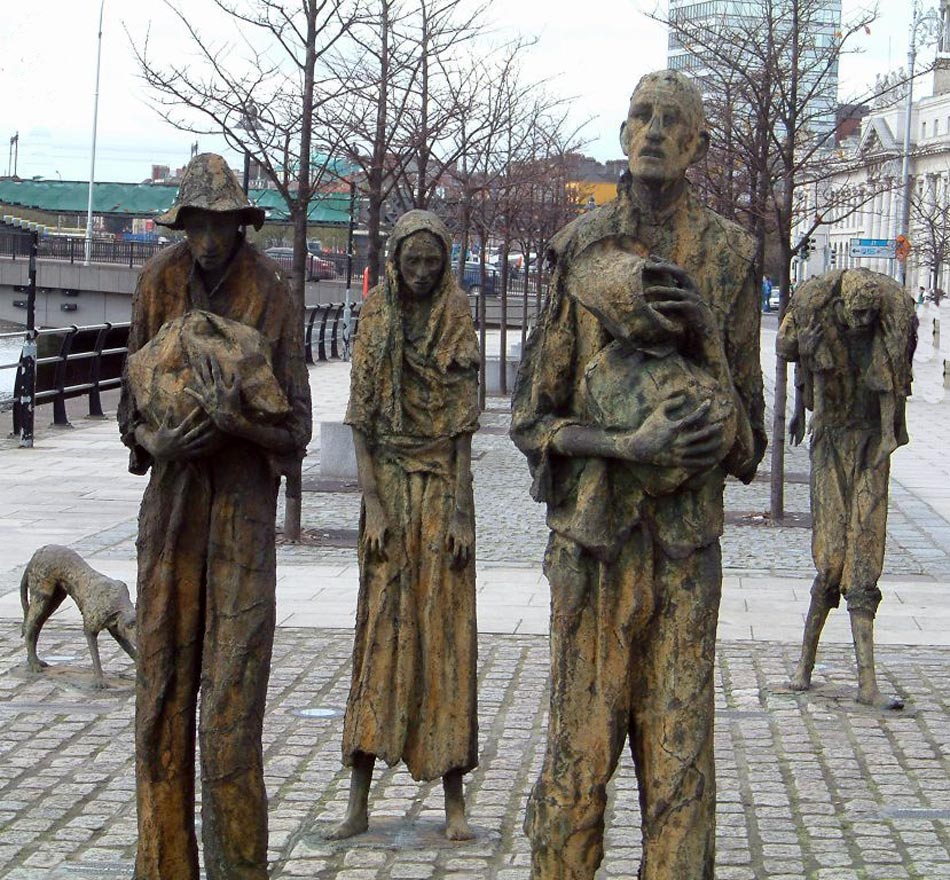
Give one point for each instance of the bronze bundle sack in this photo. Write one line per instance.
(161, 370)
(637, 372)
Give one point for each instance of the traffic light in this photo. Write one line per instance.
(833, 258)
(806, 247)
(902, 250)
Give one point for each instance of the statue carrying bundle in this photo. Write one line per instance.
(165, 371)
(646, 363)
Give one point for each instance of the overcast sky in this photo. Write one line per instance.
(594, 51)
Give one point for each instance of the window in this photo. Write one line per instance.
(936, 127)
(923, 131)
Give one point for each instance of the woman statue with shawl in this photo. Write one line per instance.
(413, 409)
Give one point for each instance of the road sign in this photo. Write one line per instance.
(881, 248)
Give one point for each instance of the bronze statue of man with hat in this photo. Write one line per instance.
(640, 390)
(215, 404)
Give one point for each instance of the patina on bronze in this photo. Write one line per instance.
(639, 391)
(853, 334)
(215, 403)
(413, 409)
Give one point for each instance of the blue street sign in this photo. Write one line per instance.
(881, 248)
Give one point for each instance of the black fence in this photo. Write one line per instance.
(326, 334)
(16, 245)
(71, 362)
(75, 361)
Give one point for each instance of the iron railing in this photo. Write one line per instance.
(325, 333)
(16, 245)
(89, 361)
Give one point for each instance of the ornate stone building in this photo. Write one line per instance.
(864, 199)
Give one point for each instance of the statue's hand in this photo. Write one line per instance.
(666, 439)
(375, 527)
(680, 301)
(170, 442)
(460, 539)
(219, 396)
(662, 268)
(688, 309)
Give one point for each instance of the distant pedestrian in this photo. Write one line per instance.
(766, 293)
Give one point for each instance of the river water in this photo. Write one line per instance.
(9, 354)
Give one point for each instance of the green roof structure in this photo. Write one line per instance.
(149, 199)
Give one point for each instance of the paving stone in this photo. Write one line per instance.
(808, 784)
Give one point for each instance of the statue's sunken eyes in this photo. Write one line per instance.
(421, 262)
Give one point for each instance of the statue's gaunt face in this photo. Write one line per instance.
(211, 236)
(421, 263)
(663, 134)
(860, 303)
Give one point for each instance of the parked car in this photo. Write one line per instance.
(472, 278)
(318, 269)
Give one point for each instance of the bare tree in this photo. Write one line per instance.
(770, 67)
(444, 37)
(929, 202)
(537, 201)
(260, 89)
(502, 115)
(405, 67)
(262, 100)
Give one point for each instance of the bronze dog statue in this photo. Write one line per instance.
(55, 572)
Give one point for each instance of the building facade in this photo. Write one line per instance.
(821, 25)
(870, 176)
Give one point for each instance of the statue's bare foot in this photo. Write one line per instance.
(878, 701)
(800, 681)
(457, 828)
(37, 665)
(350, 827)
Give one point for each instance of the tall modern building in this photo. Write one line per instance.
(822, 24)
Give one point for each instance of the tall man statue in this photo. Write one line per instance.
(852, 333)
(640, 390)
(216, 404)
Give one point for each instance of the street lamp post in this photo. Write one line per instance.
(930, 24)
(95, 121)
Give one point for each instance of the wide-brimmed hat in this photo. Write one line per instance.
(208, 184)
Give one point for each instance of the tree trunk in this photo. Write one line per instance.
(375, 176)
(524, 301)
(785, 214)
(503, 331)
(300, 212)
(482, 335)
(465, 223)
(420, 199)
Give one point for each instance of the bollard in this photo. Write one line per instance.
(937, 334)
(946, 374)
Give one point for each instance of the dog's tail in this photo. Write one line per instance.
(25, 597)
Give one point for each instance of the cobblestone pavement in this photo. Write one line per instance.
(809, 786)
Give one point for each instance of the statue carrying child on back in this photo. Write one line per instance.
(852, 334)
